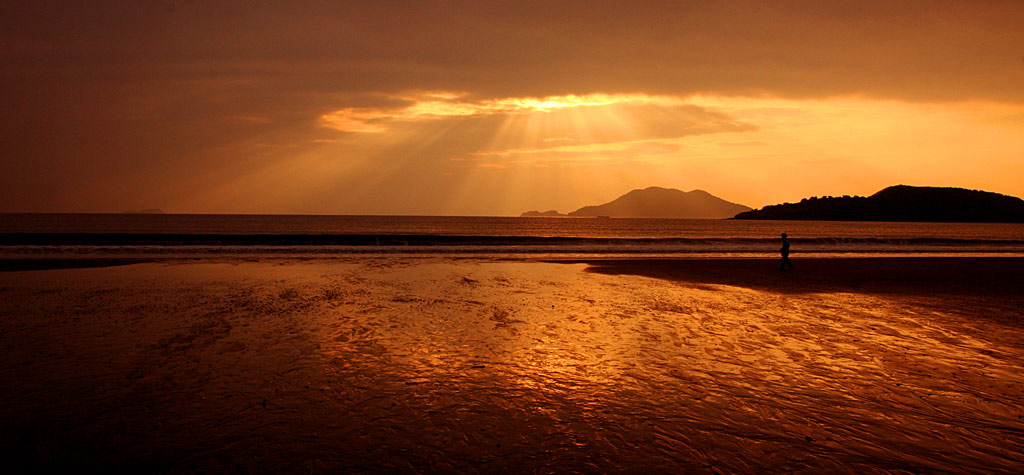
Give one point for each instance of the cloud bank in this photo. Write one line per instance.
(188, 105)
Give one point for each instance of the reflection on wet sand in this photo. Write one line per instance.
(405, 364)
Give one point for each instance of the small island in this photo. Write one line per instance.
(541, 214)
(656, 202)
(901, 203)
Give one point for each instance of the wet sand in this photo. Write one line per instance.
(431, 364)
(898, 275)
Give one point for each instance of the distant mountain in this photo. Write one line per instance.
(902, 203)
(656, 202)
(541, 214)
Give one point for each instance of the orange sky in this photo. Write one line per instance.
(487, 108)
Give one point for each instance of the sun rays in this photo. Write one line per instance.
(436, 105)
(500, 155)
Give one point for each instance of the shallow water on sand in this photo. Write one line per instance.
(430, 365)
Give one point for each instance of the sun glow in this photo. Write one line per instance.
(503, 155)
(440, 105)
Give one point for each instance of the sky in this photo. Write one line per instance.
(494, 107)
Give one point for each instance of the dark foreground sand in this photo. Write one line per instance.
(430, 364)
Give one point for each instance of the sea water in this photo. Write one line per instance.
(318, 235)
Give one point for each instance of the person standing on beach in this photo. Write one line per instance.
(785, 265)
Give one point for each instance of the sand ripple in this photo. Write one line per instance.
(438, 365)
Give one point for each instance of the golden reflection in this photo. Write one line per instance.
(456, 356)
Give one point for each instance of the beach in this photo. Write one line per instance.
(444, 364)
(512, 237)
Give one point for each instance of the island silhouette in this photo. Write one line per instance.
(657, 202)
(541, 214)
(901, 203)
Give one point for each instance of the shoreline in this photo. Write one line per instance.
(901, 275)
(998, 273)
(58, 263)
(911, 275)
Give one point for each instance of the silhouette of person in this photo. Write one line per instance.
(785, 264)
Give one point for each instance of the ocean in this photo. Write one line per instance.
(184, 235)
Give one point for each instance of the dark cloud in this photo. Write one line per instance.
(105, 102)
